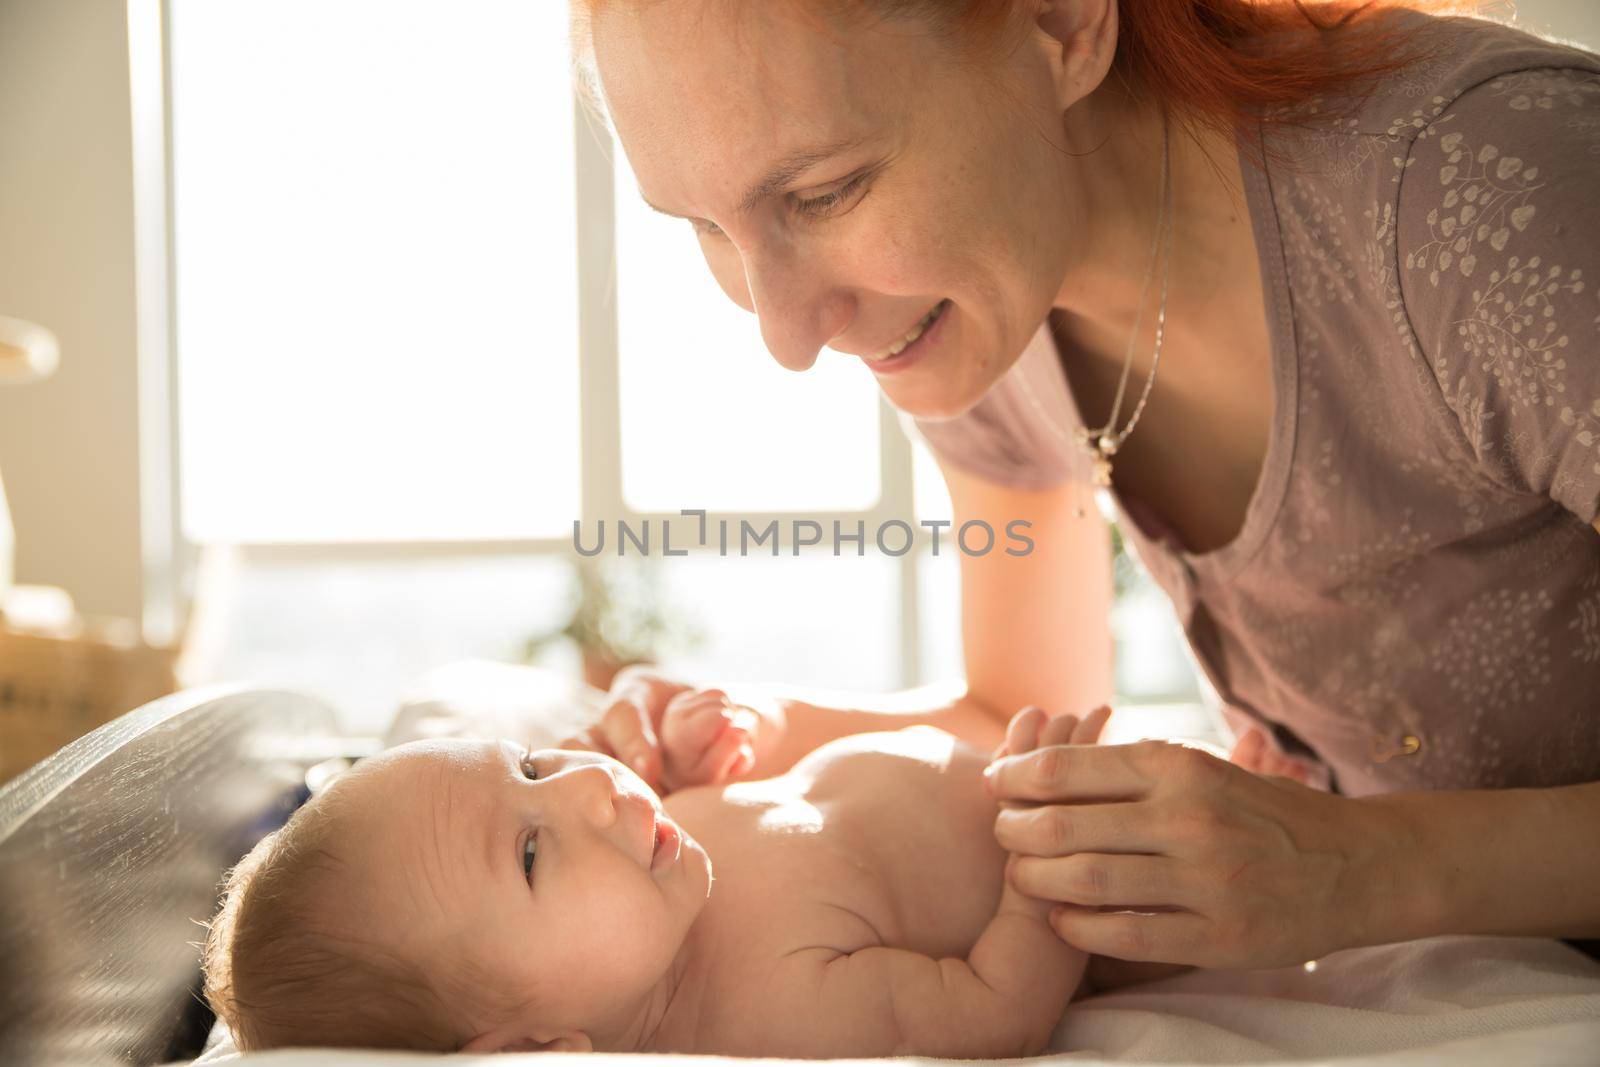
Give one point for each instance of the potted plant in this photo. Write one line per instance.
(620, 615)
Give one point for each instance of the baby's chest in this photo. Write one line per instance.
(881, 838)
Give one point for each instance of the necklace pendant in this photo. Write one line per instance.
(1102, 471)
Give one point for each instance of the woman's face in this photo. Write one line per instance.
(946, 190)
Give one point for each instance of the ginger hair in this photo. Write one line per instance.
(1201, 60)
(283, 966)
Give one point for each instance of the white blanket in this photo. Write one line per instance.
(1496, 1002)
(1476, 1001)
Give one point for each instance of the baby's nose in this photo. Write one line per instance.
(594, 789)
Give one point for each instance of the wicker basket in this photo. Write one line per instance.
(56, 688)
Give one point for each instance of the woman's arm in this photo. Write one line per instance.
(1520, 862)
(1035, 630)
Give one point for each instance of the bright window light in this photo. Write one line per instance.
(709, 419)
(376, 294)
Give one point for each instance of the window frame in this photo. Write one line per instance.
(173, 561)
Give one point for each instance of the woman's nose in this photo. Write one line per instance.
(798, 316)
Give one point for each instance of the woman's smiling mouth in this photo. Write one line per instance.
(909, 348)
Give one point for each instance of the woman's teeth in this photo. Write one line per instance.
(916, 332)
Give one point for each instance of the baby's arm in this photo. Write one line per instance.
(1003, 1000)
(790, 728)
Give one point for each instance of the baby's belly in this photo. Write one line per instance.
(911, 806)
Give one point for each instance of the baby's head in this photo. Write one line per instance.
(458, 894)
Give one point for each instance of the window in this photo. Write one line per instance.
(389, 418)
(376, 304)
(709, 419)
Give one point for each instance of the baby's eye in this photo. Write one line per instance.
(528, 770)
(527, 856)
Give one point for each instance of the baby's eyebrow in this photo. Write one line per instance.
(495, 849)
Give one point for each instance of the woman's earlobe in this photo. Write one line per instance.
(1086, 33)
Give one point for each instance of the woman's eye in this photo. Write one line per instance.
(822, 204)
(527, 856)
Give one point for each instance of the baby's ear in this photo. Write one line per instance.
(518, 1037)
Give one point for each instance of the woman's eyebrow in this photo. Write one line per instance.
(784, 171)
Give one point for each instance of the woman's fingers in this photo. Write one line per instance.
(631, 738)
(589, 740)
(647, 687)
(1072, 773)
(1124, 935)
(1060, 829)
(1092, 878)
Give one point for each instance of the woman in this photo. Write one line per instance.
(1335, 280)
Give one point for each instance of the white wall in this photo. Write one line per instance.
(69, 446)
(1573, 20)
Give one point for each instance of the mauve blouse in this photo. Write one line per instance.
(1413, 600)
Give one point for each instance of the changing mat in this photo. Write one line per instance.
(1448, 1000)
(1479, 1001)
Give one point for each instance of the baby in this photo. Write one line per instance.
(474, 895)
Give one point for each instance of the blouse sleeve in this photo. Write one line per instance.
(998, 440)
(1498, 226)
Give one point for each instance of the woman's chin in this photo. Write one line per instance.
(935, 399)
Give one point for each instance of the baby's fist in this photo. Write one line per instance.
(706, 739)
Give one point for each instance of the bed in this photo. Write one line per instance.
(110, 852)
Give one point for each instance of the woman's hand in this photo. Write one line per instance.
(1196, 860)
(628, 730)
(1029, 729)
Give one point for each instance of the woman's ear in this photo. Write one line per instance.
(1084, 36)
(518, 1037)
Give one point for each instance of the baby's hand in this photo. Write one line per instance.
(1029, 729)
(1253, 753)
(706, 739)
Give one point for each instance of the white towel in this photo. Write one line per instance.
(1456, 1001)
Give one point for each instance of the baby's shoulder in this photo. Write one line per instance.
(920, 744)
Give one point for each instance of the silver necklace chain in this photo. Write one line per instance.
(1103, 443)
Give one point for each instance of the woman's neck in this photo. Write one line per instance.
(1113, 176)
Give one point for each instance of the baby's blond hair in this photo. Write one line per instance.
(283, 966)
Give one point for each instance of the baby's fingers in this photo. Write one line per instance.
(695, 719)
(1058, 731)
(727, 755)
(1022, 732)
(1088, 730)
